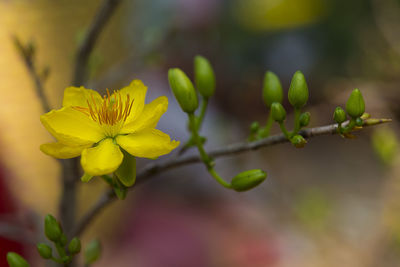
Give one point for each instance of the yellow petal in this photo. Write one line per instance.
(78, 96)
(150, 143)
(102, 159)
(61, 151)
(136, 91)
(150, 116)
(72, 127)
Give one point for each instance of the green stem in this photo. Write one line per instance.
(349, 126)
(60, 250)
(203, 155)
(203, 109)
(284, 131)
(219, 178)
(297, 113)
(264, 132)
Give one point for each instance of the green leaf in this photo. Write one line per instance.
(126, 172)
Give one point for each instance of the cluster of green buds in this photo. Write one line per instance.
(273, 97)
(355, 108)
(187, 96)
(54, 233)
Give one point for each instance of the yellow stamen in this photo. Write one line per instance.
(111, 111)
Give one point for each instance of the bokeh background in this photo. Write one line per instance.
(332, 203)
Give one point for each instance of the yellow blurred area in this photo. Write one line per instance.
(53, 26)
(266, 15)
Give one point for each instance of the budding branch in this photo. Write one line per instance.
(152, 169)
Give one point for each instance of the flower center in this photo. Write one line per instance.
(112, 111)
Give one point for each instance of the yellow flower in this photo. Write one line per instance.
(98, 127)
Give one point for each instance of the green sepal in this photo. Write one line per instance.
(355, 105)
(86, 177)
(304, 119)
(119, 189)
(204, 76)
(16, 260)
(272, 89)
(52, 228)
(248, 179)
(359, 122)
(298, 90)
(183, 90)
(92, 252)
(126, 172)
(339, 115)
(74, 246)
(278, 112)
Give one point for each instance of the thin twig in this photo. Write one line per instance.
(15, 232)
(85, 49)
(154, 168)
(27, 52)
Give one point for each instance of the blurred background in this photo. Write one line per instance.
(332, 203)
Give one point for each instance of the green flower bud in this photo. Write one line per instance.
(272, 89)
(52, 228)
(298, 141)
(339, 115)
(254, 127)
(45, 251)
(204, 76)
(16, 260)
(359, 122)
(355, 105)
(92, 252)
(304, 119)
(298, 90)
(74, 246)
(248, 179)
(278, 112)
(183, 90)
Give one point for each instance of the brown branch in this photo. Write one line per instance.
(71, 169)
(15, 232)
(85, 49)
(154, 168)
(27, 52)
